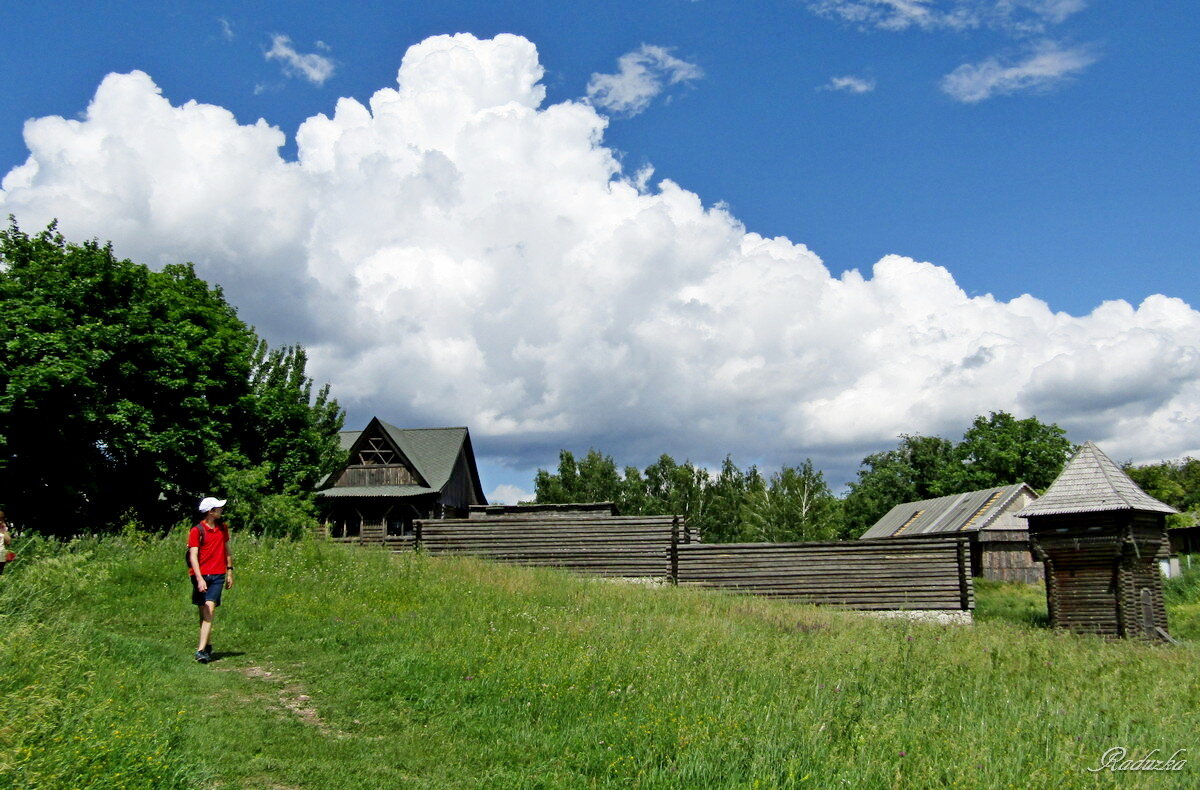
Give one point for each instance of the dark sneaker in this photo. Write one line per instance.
(202, 657)
(208, 651)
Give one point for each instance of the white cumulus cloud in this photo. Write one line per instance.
(509, 495)
(641, 75)
(1048, 66)
(456, 252)
(312, 67)
(850, 84)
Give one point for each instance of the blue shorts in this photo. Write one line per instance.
(216, 583)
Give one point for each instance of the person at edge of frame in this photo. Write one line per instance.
(210, 567)
(5, 541)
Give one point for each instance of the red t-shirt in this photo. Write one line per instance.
(213, 558)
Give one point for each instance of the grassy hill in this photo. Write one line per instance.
(348, 668)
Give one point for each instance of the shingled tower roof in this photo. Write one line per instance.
(1091, 482)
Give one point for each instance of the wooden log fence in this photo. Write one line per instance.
(392, 542)
(861, 574)
(613, 546)
(922, 574)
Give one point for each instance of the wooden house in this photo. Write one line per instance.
(986, 519)
(393, 476)
(1100, 538)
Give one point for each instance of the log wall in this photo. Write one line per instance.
(875, 574)
(1102, 574)
(1009, 562)
(861, 574)
(614, 546)
(377, 475)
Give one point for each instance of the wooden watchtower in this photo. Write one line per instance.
(1099, 536)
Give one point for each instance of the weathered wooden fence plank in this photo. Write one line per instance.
(862, 575)
(609, 546)
(881, 574)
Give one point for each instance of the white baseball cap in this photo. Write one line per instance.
(209, 502)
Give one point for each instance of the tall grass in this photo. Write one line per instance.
(66, 719)
(1182, 595)
(348, 668)
(1011, 602)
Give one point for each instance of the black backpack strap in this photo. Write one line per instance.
(187, 553)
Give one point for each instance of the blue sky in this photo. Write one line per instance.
(1044, 147)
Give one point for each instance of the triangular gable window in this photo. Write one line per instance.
(376, 450)
(376, 461)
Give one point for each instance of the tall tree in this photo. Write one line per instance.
(731, 505)
(916, 469)
(1177, 483)
(996, 450)
(592, 479)
(1001, 450)
(725, 496)
(675, 489)
(128, 391)
(288, 441)
(795, 505)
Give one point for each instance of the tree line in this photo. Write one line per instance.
(126, 394)
(796, 502)
(1177, 483)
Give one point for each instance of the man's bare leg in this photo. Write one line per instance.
(206, 621)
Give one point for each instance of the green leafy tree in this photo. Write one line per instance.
(996, 450)
(288, 443)
(1001, 450)
(1160, 481)
(592, 479)
(598, 478)
(128, 391)
(731, 505)
(284, 424)
(795, 505)
(1176, 483)
(675, 489)
(725, 496)
(633, 500)
(917, 469)
(556, 487)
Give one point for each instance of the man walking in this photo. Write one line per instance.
(210, 567)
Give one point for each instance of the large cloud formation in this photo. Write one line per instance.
(457, 253)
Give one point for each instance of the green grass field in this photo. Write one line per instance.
(349, 668)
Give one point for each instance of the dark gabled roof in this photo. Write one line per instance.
(969, 512)
(432, 452)
(1091, 482)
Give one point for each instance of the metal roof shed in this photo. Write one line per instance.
(999, 541)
